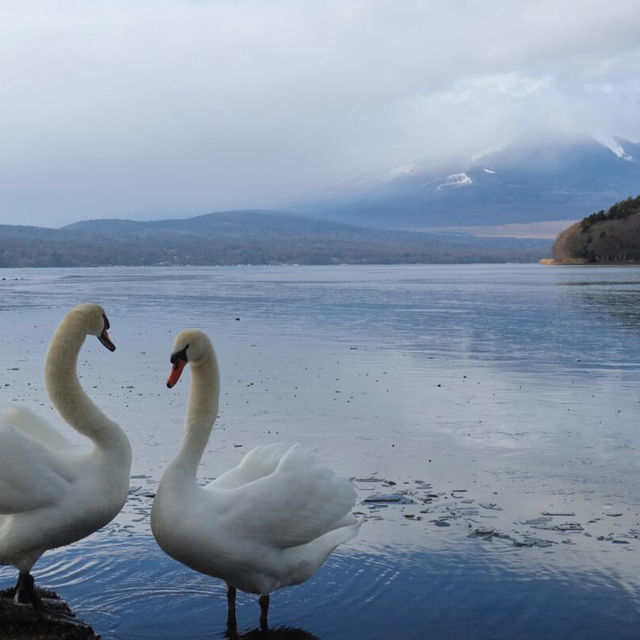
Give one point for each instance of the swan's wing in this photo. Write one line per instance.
(259, 462)
(31, 475)
(33, 425)
(296, 503)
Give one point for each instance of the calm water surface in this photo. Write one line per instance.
(501, 400)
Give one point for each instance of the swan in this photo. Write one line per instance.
(268, 523)
(51, 495)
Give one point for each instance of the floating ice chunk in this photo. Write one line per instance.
(490, 505)
(395, 498)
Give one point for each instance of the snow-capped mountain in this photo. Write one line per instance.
(518, 184)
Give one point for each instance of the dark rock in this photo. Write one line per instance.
(58, 622)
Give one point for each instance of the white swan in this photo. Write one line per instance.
(268, 523)
(51, 495)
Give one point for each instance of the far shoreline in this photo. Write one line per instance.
(579, 262)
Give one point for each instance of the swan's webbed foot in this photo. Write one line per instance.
(231, 608)
(264, 610)
(25, 592)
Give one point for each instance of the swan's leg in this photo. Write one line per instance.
(25, 591)
(264, 610)
(19, 594)
(231, 607)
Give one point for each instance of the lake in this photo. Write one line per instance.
(500, 401)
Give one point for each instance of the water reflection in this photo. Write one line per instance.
(623, 304)
(498, 313)
(131, 590)
(281, 633)
(509, 383)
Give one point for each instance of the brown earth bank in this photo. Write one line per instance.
(565, 262)
(609, 237)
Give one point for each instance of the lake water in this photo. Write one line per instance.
(500, 400)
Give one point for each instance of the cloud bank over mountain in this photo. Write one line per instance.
(146, 109)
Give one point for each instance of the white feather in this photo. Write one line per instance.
(31, 475)
(51, 494)
(269, 522)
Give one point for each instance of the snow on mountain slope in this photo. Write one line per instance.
(456, 180)
(524, 184)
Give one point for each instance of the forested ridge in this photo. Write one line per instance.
(244, 237)
(611, 236)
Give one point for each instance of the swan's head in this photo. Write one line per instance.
(190, 346)
(97, 323)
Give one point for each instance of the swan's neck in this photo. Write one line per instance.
(201, 414)
(66, 393)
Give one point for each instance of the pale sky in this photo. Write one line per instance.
(156, 108)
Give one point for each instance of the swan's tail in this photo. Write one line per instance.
(308, 558)
(344, 533)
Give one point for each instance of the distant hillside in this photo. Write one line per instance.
(611, 236)
(213, 224)
(245, 237)
(517, 184)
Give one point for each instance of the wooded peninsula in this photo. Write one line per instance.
(604, 237)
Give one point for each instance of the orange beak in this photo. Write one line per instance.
(106, 341)
(176, 372)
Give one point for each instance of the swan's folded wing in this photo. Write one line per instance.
(33, 425)
(31, 476)
(298, 502)
(259, 462)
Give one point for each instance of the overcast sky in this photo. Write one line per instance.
(157, 108)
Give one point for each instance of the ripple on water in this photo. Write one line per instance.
(127, 588)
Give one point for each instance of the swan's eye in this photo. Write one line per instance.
(106, 322)
(179, 355)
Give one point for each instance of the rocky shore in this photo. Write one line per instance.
(22, 622)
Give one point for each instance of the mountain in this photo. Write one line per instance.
(245, 237)
(609, 237)
(518, 184)
(493, 208)
(212, 224)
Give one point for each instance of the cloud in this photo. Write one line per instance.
(145, 108)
